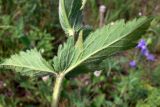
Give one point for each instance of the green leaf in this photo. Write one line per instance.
(28, 63)
(101, 43)
(66, 55)
(114, 38)
(70, 16)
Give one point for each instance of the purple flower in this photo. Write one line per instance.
(142, 44)
(132, 64)
(145, 52)
(150, 57)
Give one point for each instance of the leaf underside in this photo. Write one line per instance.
(70, 15)
(28, 63)
(101, 43)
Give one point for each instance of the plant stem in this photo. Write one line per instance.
(57, 90)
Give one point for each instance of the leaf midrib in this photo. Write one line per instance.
(85, 58)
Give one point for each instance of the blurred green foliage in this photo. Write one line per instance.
(34, 23)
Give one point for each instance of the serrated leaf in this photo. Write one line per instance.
(66, 55)
(28, 63)
(118, 37)
(70, 16)
(101, 43)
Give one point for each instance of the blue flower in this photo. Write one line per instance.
(132, 64)
(150, 57)
(142, 44)
(145, 52)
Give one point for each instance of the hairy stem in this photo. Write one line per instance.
(57, 90)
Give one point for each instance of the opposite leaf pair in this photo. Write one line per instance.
(101, 43)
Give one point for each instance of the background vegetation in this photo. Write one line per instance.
(26, 24)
